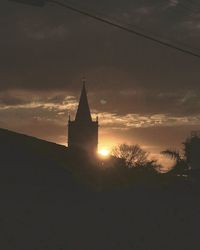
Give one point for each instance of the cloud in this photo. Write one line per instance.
(52, 48)
(173, 3)
(129, 121)
(146, 10)
(191, 24)
(20, 99)
(136, 108)
(37, 32)
(182, 102)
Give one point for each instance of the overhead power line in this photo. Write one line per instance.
(140, 29)
(104, 20)
(112, 23)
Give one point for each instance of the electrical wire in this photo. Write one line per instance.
(127, 29)
(141, 29)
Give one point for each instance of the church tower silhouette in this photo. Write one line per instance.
(83, 131)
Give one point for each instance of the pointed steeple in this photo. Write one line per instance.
(83, 132)
(83, 113)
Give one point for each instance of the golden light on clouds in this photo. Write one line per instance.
(44, 115)
(129, 121)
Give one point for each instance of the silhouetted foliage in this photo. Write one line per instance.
(192, 151)
(180, 167)
(190, 160)
(132, 155)
(173, 154)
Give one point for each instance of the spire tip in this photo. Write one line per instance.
(84, 80)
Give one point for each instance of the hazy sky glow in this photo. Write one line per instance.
(142, 92)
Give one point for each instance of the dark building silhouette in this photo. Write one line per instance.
(192, 150)
(83, 131)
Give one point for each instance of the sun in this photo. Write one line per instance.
(104, 152)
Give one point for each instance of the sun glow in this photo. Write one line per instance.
(103, 152)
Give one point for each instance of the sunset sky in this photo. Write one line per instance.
(143, 92)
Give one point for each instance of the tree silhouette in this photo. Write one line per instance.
(190, 160)
(173, 154)
(180, 166)
(132, 155)
(192, 151)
